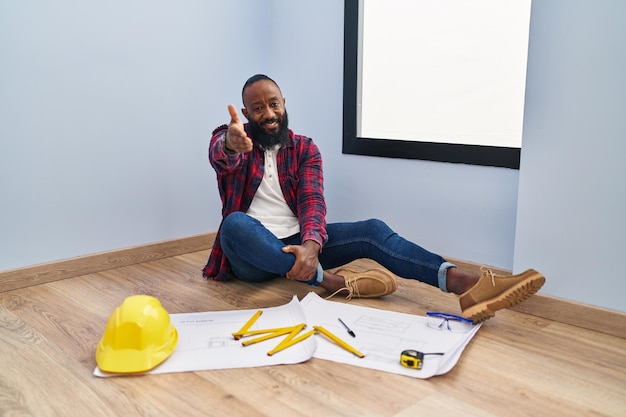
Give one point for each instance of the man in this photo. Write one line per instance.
(274, 220)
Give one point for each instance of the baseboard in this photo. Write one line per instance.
(577, 314)
(54, 271)
(552, 308)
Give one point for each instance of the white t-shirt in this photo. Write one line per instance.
(269, 206)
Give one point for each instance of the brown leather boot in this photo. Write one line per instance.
(366, 284)
(494, 292)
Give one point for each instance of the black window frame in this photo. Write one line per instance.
(495, 156)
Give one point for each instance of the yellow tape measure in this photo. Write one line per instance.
(414, 359)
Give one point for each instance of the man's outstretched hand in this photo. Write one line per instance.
(236, 138)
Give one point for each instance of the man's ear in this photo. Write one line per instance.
(245, 113)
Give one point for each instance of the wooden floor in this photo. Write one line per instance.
(517, 365)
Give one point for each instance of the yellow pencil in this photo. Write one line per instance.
(240, 334)
(338, 341)
(272, 335)
(294, 331)
(290, 341)
(248, 324)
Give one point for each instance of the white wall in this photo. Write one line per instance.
(572, 199)
(106, 111)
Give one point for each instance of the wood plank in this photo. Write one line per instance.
(441, 404)
(39, 378)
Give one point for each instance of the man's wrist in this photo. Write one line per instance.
(225, 147)
(311, 244)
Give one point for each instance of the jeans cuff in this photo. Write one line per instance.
(318, 278)
(443, 274)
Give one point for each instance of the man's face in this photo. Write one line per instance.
(265, 110)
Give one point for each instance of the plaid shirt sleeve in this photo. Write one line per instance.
(236, 179)
(302, 183)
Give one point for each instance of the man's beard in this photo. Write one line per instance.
(268, 140)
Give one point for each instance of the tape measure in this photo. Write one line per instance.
(411, 358)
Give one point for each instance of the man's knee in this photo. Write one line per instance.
(234, 221)
(377, 225)
(236, 226)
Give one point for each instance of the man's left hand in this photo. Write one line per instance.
(306, 255)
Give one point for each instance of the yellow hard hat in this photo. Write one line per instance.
(138, 336)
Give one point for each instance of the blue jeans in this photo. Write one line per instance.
(255, 254)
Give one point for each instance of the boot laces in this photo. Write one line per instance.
(489, 272)
(350, 287)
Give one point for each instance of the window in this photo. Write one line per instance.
(440, 80)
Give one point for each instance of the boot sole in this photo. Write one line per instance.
(515, 295)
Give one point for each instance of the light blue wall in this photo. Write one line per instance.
(106, 112)
(571, 221)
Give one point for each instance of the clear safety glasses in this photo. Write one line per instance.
(451, 322)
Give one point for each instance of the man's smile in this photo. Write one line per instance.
(271, 125)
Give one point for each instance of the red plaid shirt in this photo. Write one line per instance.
(239, 175)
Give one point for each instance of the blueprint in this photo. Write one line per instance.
(206, 342)
(382, 335)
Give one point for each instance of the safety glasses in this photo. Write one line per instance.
(450, 322)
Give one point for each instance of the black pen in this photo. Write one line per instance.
(350, 332)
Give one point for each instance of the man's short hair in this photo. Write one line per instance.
(252, 80)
